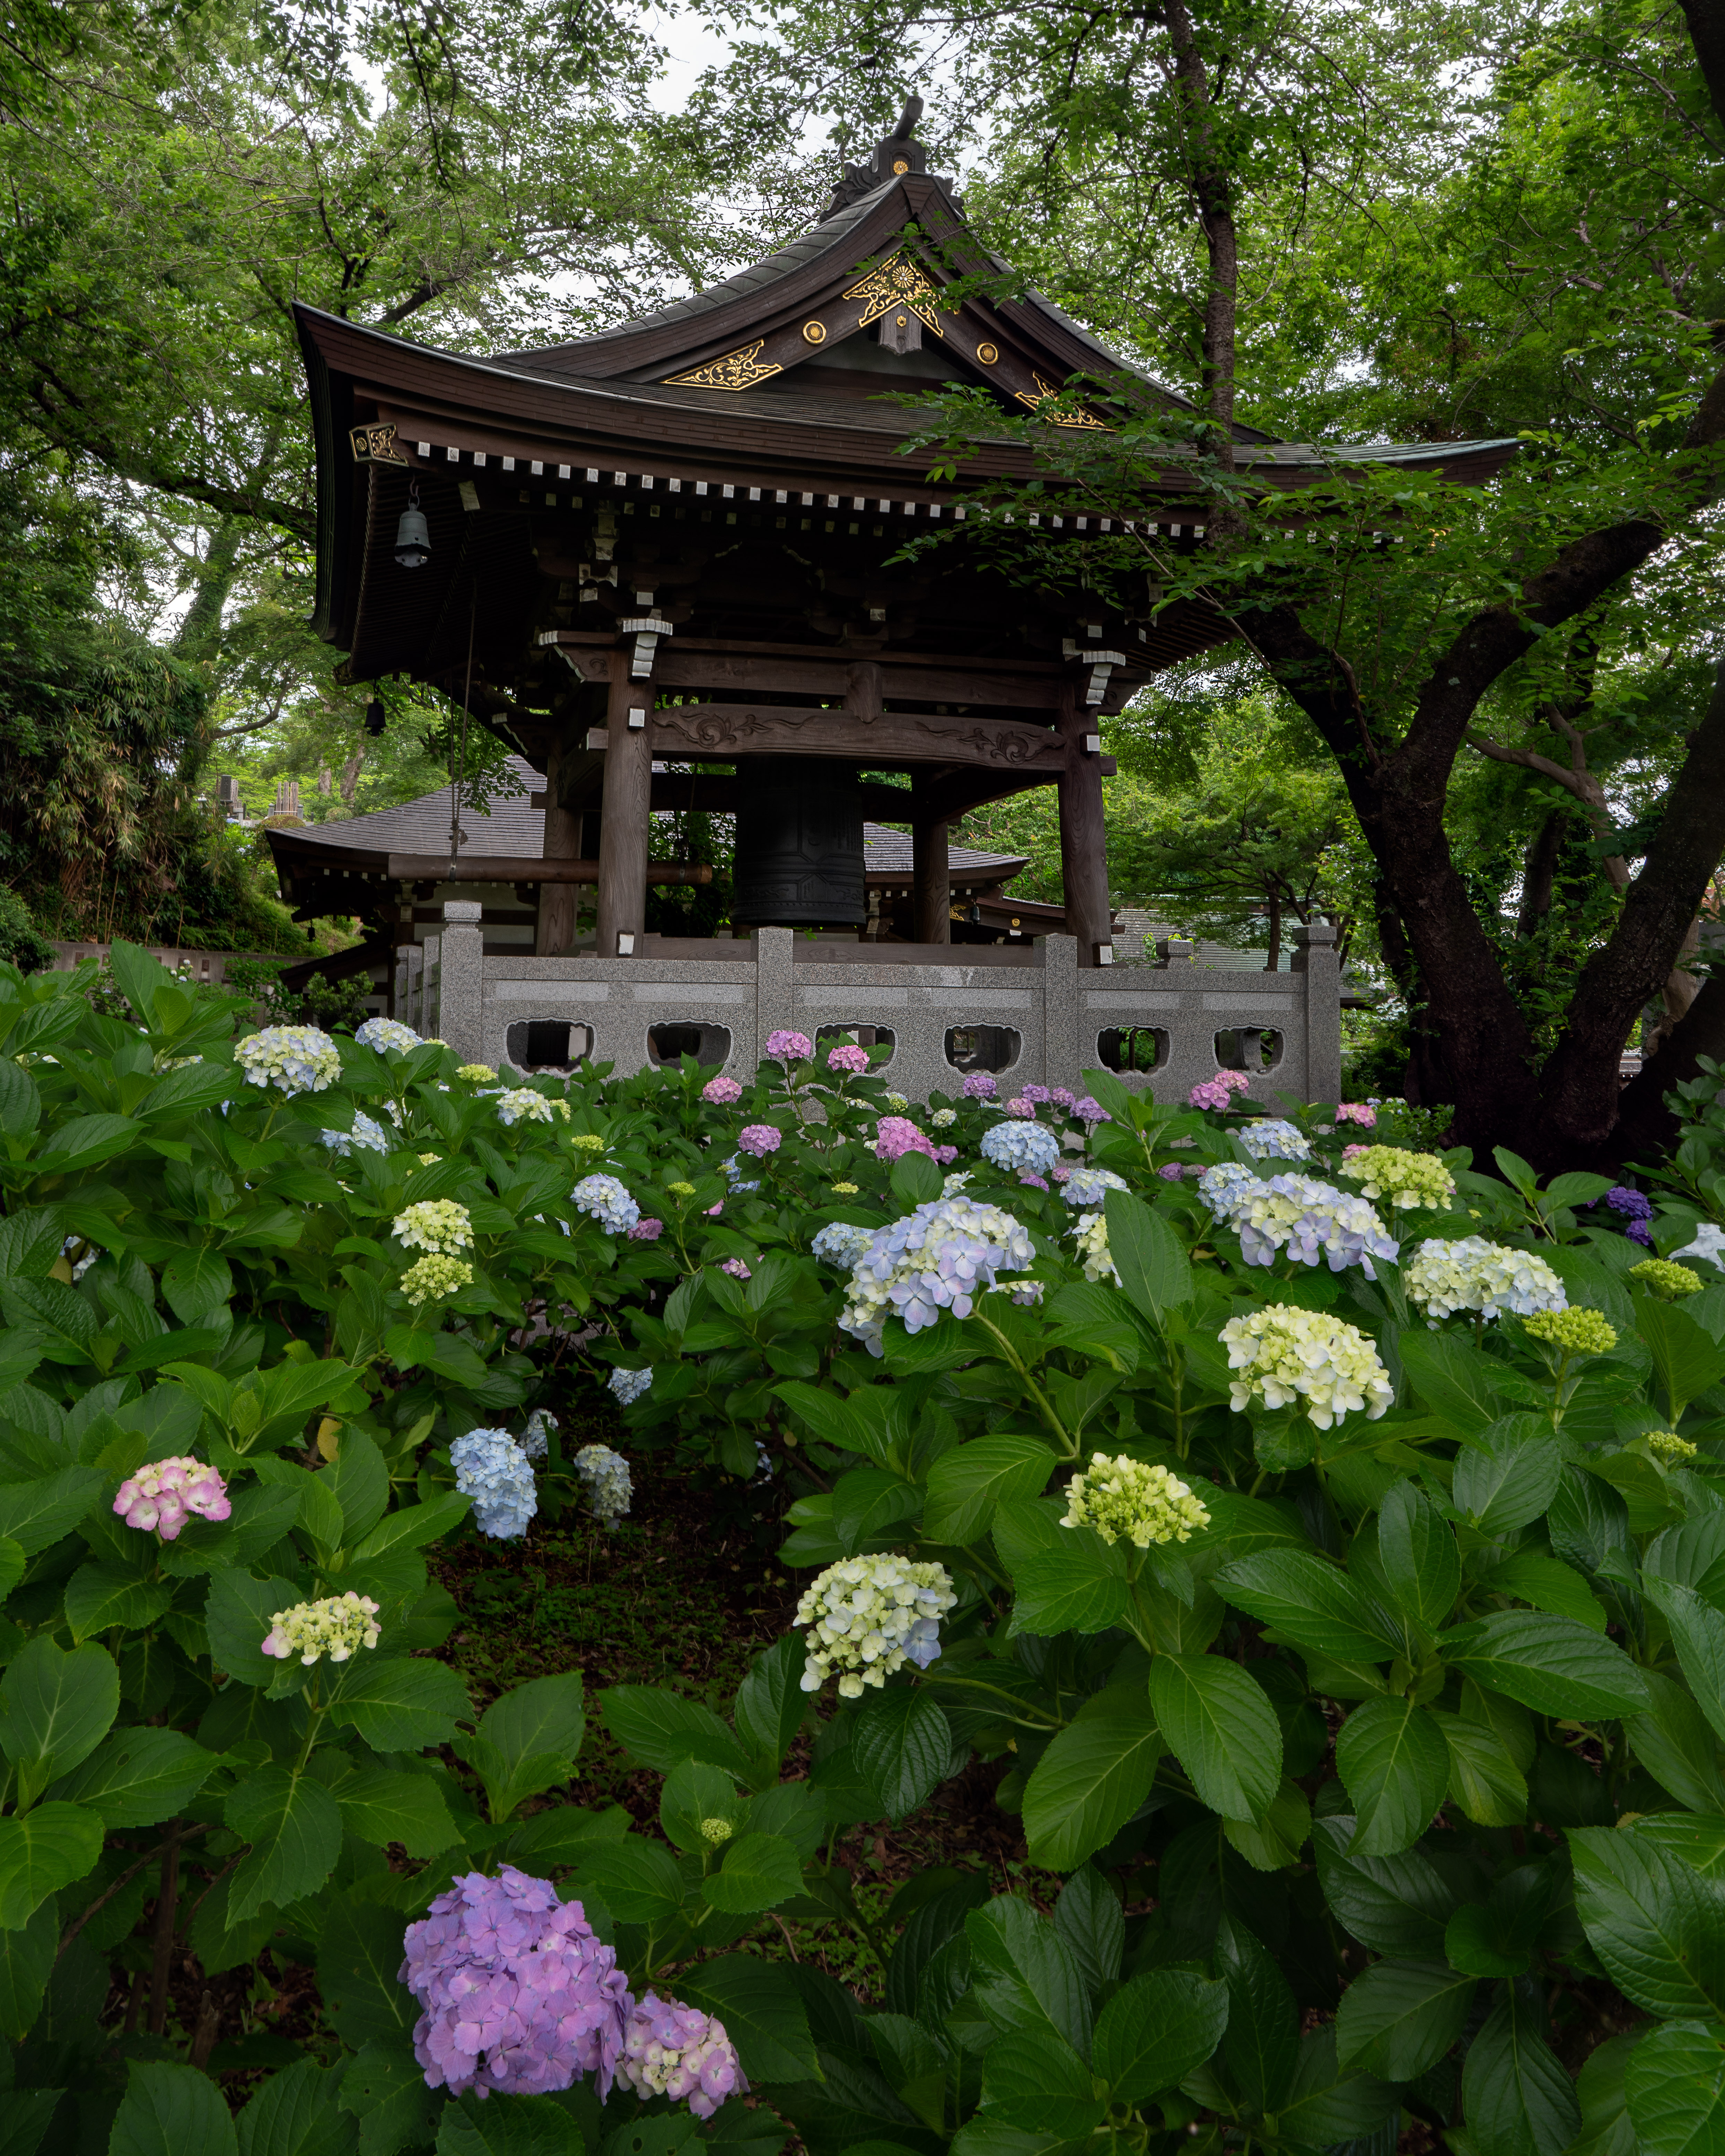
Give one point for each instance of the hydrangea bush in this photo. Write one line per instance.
(1344, 1648)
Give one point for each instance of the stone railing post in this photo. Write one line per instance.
(1063, 1050)
(461, 974)
(1315, 956)
(775, 1000)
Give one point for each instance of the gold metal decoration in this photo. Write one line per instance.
(988, 353)
(375, 444)
(737, 370)
(898, 282)
(1044, 391)
(814, 332)
(900, 164)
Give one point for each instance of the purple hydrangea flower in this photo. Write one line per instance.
(856, 1060)
(981, 1086)
(786, 1047)
(1036, 1094)
(518, 1994)
(1088, 1111)
(757, 1139)
(720, 1092)
(676, 2050)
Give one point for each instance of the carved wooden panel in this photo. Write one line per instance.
(723, 731)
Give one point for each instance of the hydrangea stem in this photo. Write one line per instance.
(1069, 1447)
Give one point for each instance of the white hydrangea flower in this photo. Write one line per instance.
(1709, 1243)
(294, 1058)
(1289, 1356)
(960, 1181)
(1128, 1500)
(1474, 1273)
(1089, 1231)
(435, 1223)
(371, 1136)
(338, 1626)
(1308, 1219)
(604, 1197)
(937, 1258)
(383, 1034)
(521, 1103)
(433, 1277)
(535, 1438)
(604, 1474)
(79, 1266)
(867, 1616)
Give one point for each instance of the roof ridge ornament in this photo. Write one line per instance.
(896, 156)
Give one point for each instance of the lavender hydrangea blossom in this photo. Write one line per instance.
(1310, 1220)
(1274, 1139)
(606, 1199)
(672, 2049)
(1021, 1146)
(518, 1994)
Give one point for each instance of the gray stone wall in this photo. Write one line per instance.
(1049, 1017)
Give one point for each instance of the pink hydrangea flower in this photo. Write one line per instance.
(646, 1231)
(1353, 1152)
(945, 1155)
(1209, 1093)
(737, 1269)
(1357, 1111)
(1019, 1106)
(1063, 1097)
(165, 1495)
(758, 1139)
(856, 1060)
(981, 1086)
(786, 1047)
(895, 1136)
(1035, 1182)
(714, 1211)
(722, 1091)
(677, 2052)
(1061, 1171)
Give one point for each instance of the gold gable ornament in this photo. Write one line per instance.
(375, 444)
(1045, 391)
(736, 370)
(898, 282)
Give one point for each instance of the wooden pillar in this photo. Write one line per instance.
(931, 874)
(556, 930)
(626, 816)
(1084, 847)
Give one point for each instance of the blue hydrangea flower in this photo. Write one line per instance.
(734, 1176)
(841, 1245)
(939, 1257)
(609, 1204)
(365, 1133)
(492, 1470)
(629, 1385)
(382, 1034)
(1310, 1220)
(604, 1474)
(1087, 1186)
(1019, 1145)
(1218, 1186)
(535, 1438)
(1273, 1139)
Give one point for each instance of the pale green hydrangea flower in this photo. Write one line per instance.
(1668, 1281)
(294, 1058)
(1091, 1233)
(1126, 1499)
(1404, 1178)
(715, 1831)
(337, 1626)
(1288, 1357)
(435, 1277)
(1572, 1331)
(1670, 1450)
